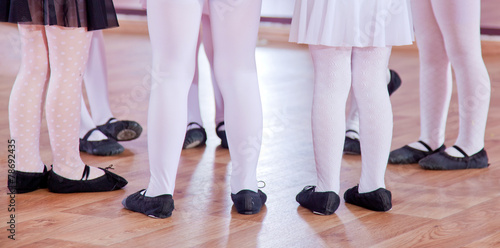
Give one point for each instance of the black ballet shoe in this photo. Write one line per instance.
(195, 137)
(157, 207)
(394, 83)
(24, 182)
(107, 182)
(352, 146)
(222, 135)
(249, 202)
(410, 155)
(107, 147)
(444, 161)
(323, 203)
(378, 200)
(121, 130)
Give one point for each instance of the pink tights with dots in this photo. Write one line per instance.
(51, 71)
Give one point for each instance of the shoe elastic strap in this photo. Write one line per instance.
(87, 135)
(194, 123)
(426, 146)
(219, 125)
(86, 173)
(110, 120)
(461, 151)
(354, 131)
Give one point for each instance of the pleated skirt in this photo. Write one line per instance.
(352, 23)
(92, 14)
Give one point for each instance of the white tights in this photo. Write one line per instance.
(335, 69)
(447, 33)
(194, 114)
(52, 64)
(96, 84)
(174, 30)
(352, 121)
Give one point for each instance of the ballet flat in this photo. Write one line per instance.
(195, 137)
(378, 200)
(444, 161)
(107, 147)
(352, 146)
(24, 182)
(121, 130)
(322, 203)
(410, 155)
(107, 182)
(249, 202)
(157, 207)
(222, 135)
(394, 83)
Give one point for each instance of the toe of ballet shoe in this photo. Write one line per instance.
(410, 155)
(157, 207)
(406, 155)
(352, 146)
(107, 147)
(195, 137)
(443, 161)
(378, 200)
(322, 203)
(249, 202)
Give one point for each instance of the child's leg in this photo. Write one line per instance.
(236, 73)
(26, 98)
(369, 86)
(194, 114)
(459, 21)
(209, 51)
(435, 76)
(86, 124)
(332, 82)
(96, 80)
(195, 134)
(68, 49)
(352, 122)
(174, 29)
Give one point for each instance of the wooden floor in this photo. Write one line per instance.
(430, 208)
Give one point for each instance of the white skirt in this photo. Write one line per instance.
(352, 23)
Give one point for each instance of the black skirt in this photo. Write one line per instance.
(92, 14)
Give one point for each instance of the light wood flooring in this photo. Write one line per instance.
(430, 208)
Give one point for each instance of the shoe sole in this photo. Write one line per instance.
(124, 204)
(126, 135)
(351, 153)
(193, 145)
(318, 213)
(103, 154)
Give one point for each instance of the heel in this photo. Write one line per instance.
(249, 202)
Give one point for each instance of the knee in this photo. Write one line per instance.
(463, 51)
(172, 77)
(236, 78)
